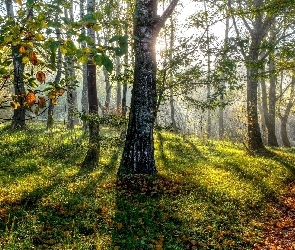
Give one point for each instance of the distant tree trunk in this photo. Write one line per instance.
(19, 114)
(284, 117)
(108, 91)
(124, 93)
(84, 98)
(172, 111)
(138, 154)
(92, 156)
(70, 71)
(50, 111)
(119, 86)
(221, 109)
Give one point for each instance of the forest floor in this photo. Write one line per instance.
(207, 195)
(279, 233)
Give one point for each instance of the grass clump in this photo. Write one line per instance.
(208, 194)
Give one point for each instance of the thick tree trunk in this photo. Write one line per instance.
(19, 114)
(138, 154)
(255, 143)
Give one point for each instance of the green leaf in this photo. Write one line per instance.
(97, 59)
(83, 59)
(107, 63)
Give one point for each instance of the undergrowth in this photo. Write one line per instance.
(207, 195)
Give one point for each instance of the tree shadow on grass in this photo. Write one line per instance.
(161, 213)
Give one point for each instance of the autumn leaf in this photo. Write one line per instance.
(25, 59)
(22, 49)
(40, 76)
(39, 37)
(19, 2)
(31, 99)
(119, 226)
(15, 105)
(33, 58)
(104, 209)
(41, 102)
(60, 93)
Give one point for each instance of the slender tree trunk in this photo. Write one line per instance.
(119, 86)
(108, 91)
(70, 72)
(172, 111)
(92, 156)
(221, 109)
(124, 93)
(284, 117)
(138, 154)
(271, 126)
(84, 98)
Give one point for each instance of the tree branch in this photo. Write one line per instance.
(160, 23)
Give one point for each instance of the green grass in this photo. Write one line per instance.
(208, 195)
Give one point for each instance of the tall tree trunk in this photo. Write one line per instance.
(50, 110)
(84, 98)
(209, 120)
(19, 114)
(70, 72)
(271, 126)
(138, 154)
(221, 109)
(92, 156)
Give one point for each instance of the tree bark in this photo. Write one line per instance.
(92, 156)
(19, 114)
(84, 98)
(138, 154)
(285, 116)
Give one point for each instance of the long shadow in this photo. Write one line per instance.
(150, 215)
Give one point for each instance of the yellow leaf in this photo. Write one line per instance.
(96, 27)
(19, 2)
(25, 59)
(15, 105)
(30, 44)
(39, 37)
(43, 24)
(63, 50)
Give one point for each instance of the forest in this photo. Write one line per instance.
(147, 124)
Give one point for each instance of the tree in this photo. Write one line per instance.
(261, 24)
(19, 114)
(92, 155)
(138, 153)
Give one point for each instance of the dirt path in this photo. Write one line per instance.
(280, 233)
